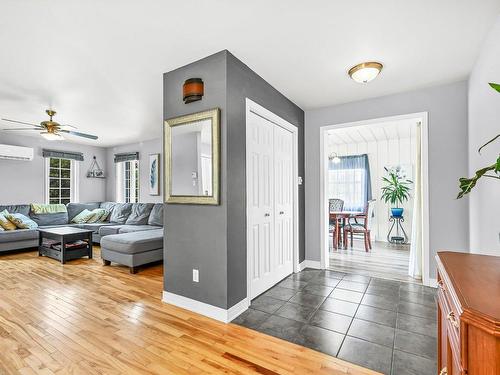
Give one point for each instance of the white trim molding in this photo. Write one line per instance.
(205, 309)
(309, 264)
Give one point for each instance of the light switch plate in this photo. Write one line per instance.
(196, 275)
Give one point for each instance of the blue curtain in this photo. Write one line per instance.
(354, 198)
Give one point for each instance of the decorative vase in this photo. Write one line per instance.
(397, 212)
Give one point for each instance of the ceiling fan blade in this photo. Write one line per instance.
(68, 126)
(78, 134)
(20, 129)
(20, 122)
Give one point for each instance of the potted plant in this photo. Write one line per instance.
(491, 171)
(396, 190)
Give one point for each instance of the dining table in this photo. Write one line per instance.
(341, 217)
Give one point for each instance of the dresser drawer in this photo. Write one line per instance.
(452, 324)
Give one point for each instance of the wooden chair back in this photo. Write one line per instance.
(336, 204)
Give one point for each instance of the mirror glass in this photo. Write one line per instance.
(192, 159)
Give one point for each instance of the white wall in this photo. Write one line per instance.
(23, 182)
(145, 148)
(484, 124)
(383, 153)
(447, 109)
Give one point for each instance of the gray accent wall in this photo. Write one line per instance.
(24, 181)
(447, 109)
(242, 83)
(484, 124)
(212, 239)
(154, 146)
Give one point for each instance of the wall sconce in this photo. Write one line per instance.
(192, 90)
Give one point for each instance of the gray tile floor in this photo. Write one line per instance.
(384, 325)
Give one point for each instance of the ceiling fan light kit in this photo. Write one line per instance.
(50, 129)
(365, 72)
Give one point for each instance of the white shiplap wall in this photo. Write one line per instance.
(381, 153)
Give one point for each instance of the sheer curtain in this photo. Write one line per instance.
(415, 264)
(349, 180)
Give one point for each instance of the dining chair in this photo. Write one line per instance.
(364, 227)
(335, 205)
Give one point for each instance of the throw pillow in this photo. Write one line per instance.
(105, 215)
(21, 221)
(5, 223)
(82, 217)
(41, 208)
(96, 215)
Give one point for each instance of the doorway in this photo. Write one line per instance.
(272, 199)
(357, 161)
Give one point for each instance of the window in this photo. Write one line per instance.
(61, 176)
(349, 180)
(127, 179)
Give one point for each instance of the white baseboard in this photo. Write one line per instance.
(309, 264)
(205, 309)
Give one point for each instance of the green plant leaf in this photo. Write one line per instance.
(495, 86)
(467, 184)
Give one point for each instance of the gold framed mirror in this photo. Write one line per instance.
(192, 158)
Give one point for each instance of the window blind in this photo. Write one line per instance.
(62, 154)
(126, 156)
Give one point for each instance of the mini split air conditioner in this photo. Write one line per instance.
(16, 152)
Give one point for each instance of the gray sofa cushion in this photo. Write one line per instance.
(108, 206)
(60, 218)
(136, 228)
(140, 213)
(109, 229)
(133, 243)
(17, 209)
(120, 213)
(75, 208)
(18, 235)
(94, 227)
(156, 215)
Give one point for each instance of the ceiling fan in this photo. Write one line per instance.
(51, 130)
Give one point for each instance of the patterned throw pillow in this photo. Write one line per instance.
(82, 217)
(21, 221)
(96, 215)
(104, 216)
(5, 223)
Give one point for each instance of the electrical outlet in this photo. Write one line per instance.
(196, 276)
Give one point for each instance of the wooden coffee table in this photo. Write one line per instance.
(65, 235)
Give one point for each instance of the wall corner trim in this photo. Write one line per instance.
(310, 264)
(205, 309)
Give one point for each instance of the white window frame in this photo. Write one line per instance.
(74, 178)
(135, 176)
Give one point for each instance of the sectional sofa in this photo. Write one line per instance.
(133, 232)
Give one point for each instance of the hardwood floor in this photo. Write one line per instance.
(384, 260)
(84, 318)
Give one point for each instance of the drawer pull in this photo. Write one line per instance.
(452, 319)
(441, 285)
(444, 371)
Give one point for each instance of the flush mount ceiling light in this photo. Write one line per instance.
(365, 72)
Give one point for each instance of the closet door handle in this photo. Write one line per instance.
(267, 214)
(282, 212)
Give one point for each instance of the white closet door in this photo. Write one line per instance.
(270, 253)
(283, 202)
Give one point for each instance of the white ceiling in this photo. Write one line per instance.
(383, 131)
(100, 63)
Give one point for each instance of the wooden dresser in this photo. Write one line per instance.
(468, 314)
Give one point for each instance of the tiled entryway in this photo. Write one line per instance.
(384, 325)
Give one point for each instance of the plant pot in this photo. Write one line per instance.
(397, 212)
